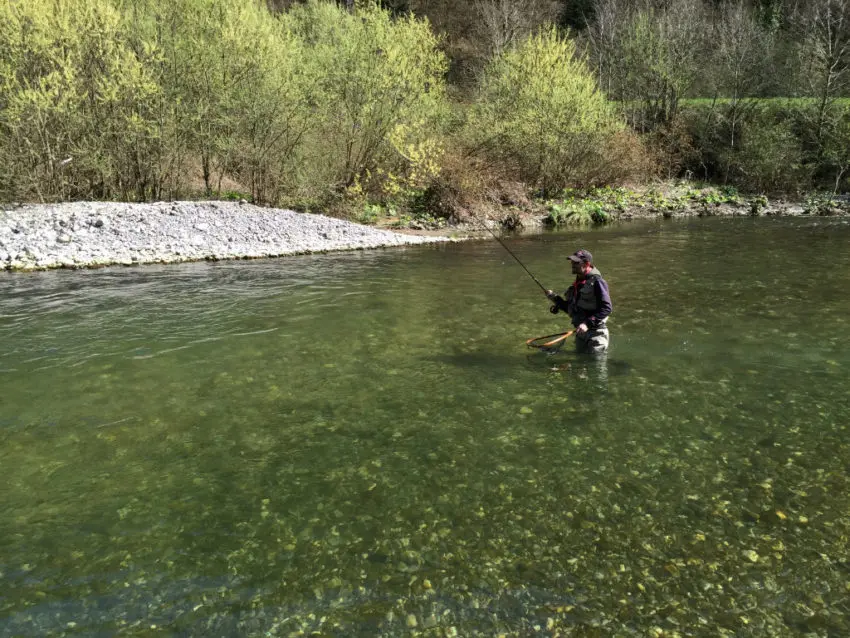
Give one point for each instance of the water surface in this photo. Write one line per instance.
(360, 443)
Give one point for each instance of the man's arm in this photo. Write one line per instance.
(603, 298)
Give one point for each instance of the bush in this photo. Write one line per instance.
(768, 158)
(578, 212)
(765, 154)
(671, 145)
(539, 112)
(379, 98)
(76, 104)
(121, 99)
(270, 104)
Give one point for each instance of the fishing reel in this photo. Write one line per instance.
(554, 309)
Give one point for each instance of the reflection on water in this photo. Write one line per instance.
(361, 444)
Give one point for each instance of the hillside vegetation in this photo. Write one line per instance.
(419, 108)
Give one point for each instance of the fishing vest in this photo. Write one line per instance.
(584, 299)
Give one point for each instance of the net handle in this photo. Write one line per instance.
(557, 338)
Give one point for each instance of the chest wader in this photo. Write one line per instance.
(595, 340)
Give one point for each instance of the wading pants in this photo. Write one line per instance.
(593, 341)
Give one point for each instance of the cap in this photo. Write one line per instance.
(582, 257)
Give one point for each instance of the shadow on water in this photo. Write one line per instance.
(558, 361)
(478, 360)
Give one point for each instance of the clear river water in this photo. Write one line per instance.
(361, 444)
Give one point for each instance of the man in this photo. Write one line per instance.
(588, 303)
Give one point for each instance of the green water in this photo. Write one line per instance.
(354, 444)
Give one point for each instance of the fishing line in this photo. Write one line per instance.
(496, 237)
(547, 343)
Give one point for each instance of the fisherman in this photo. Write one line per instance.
(588, 303)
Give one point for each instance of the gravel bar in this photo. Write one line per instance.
(92, 234)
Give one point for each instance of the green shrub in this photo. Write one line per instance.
(146, 97)
(236, 92)
(768, 158)
(76, 104)
(379, 98)
(270, 105)
(539, 110)
(762, 151)
(577, 213)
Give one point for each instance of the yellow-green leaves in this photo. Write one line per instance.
(74, 97)
(541, 111)
(147, 97)
(379, 93)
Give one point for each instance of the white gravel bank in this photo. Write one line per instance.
(88, 234)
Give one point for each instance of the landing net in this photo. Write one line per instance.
(549, 343)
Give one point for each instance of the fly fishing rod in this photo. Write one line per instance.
(548, 343)
(496, 237)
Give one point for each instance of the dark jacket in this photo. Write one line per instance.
(587, 300)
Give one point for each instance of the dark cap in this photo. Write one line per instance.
(581, 257)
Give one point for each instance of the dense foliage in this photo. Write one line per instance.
(397, 103)
(540, 109)
(162, 98)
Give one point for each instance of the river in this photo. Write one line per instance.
(361, 443)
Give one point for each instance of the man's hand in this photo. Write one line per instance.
(582, 328)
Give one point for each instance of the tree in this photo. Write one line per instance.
(603, 35)
(743, 49)
(380, 96)
(76, 103)
(540, 112)
(504, 23)
(578, 14)
(648, 55)
(825, 58)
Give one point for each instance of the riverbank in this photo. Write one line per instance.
(665, 200)
(92, 234)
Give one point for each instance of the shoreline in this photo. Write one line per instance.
(81, 235)
(97, 234)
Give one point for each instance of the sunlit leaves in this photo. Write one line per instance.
(380, 92)
(75, 99)
(134, 99)
(539, 105)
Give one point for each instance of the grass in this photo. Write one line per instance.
(604, 205)
(776, 102)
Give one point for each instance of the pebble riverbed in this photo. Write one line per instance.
(91, 234)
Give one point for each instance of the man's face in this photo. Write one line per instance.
(578, 267)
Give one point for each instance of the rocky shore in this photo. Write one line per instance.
(91, 234)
